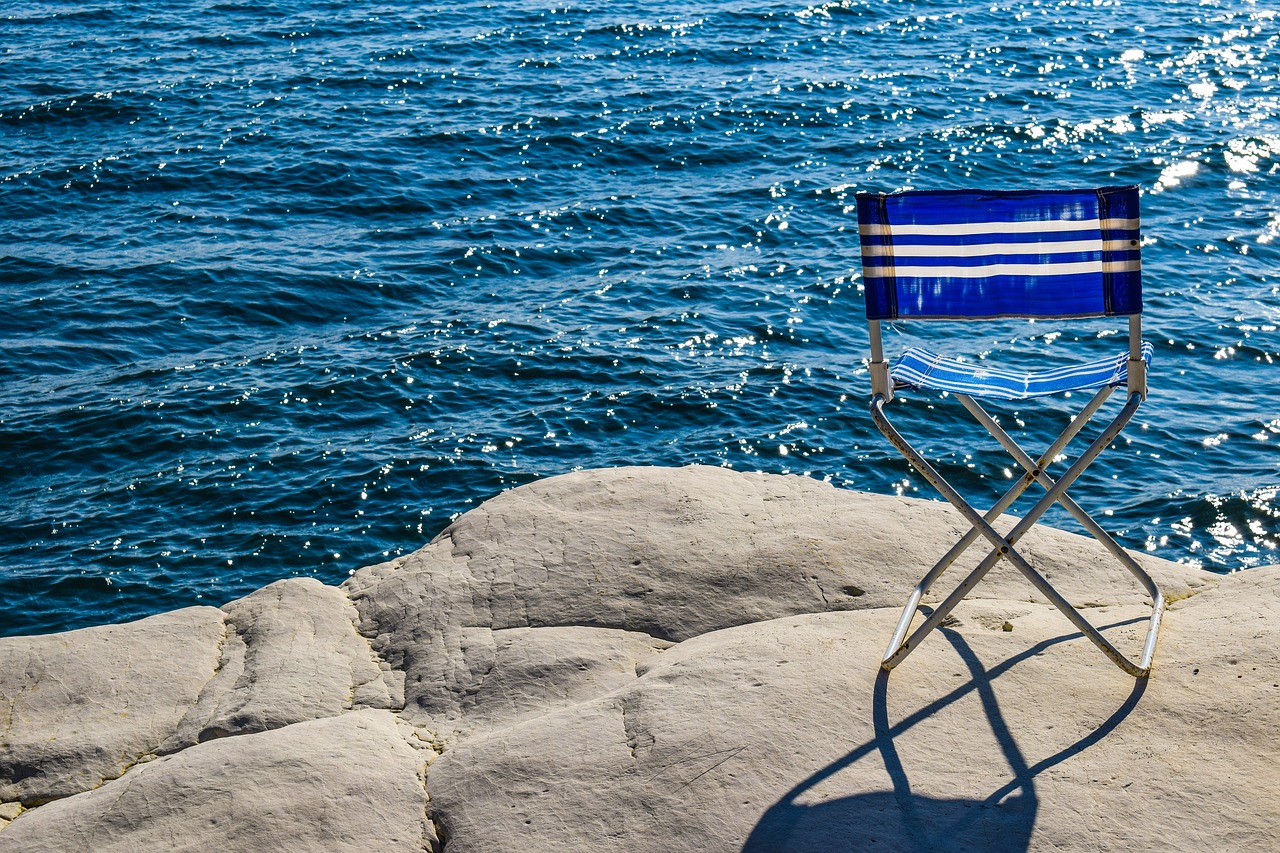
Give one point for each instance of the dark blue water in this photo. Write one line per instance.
(287, 286)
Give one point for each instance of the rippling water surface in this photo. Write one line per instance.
(287, 286)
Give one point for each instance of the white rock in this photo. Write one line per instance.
(674, 553)
(83, 706)
(664, 660)
(347, 783)
(291, 654)
(783, 735)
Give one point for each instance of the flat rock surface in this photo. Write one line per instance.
(291, 654)
(82, 707)
(675, 553)
(347, 783)
(783, 735)
(658, 659)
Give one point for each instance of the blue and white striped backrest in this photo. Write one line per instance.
(978, 254)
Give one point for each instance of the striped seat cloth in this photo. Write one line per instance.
(919, 368)
(953, 254)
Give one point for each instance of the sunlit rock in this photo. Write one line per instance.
(658, 660)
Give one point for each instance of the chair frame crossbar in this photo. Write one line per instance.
(1003, 546)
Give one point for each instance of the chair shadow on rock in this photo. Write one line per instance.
(902, 820)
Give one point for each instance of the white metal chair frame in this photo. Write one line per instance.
(1004, 546)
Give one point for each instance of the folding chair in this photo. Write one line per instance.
(973, 255)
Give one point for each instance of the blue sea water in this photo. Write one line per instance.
(289, 285)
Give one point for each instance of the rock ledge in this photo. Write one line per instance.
(656, 659)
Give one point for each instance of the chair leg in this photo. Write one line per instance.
(1037, 470)
(1003, 545)
(892, 656)
(899, 648)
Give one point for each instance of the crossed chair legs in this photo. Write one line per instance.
(1003, 546)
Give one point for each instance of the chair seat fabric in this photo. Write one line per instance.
(919, 368)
